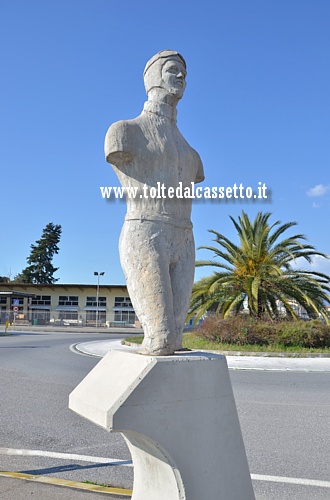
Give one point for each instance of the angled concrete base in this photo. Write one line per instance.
(179, 419)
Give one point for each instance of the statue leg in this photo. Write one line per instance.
(182, 279)
(145, 254)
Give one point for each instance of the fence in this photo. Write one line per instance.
(45, 317)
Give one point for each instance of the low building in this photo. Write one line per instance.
(60, 304)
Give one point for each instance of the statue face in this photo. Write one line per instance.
(174, 77)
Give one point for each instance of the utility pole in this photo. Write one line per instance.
(97, 294)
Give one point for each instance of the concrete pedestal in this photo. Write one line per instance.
(179, 419)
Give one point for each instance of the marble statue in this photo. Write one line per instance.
(156, 244)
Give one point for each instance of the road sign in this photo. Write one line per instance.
(15, 309)
(16, 302)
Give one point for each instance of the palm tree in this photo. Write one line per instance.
(260, 271)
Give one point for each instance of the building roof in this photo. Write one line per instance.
(56, 285)
(17, 294)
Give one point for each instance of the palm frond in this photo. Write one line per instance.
(260, 269)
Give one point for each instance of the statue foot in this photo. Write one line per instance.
(161, 351)
(151, 348)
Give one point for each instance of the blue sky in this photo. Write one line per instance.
(256, 108)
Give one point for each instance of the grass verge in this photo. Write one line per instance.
(98, 484)
(192, 341)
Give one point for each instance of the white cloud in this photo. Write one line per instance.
(318, 190)
(316, 205)
(321, 264)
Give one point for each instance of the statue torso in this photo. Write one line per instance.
(150, 151)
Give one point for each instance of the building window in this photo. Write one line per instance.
(91, 302)
(41, 300)
(3, 301)
(123, 302)
(68, 300)
(65, 315)
(91, 317)
(127, 317)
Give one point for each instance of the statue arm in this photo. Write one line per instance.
(117, 144)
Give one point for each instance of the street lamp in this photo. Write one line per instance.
(97, 294)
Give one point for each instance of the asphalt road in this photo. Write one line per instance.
(285, 420)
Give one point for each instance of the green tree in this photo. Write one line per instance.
(260, 270)
(4, 279)
(40, 269)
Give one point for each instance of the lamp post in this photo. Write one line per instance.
(97, 294)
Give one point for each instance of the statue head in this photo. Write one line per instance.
(167, 71)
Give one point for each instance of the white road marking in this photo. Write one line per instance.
(291, 480)
(128, 463)
(64, 456)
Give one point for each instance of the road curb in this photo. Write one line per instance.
(68, 484)
(99, 348)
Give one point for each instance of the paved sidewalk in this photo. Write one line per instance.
(100, 348)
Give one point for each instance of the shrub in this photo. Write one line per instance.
(243, 330)
(310, 334)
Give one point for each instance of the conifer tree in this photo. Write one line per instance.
(40, 269)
